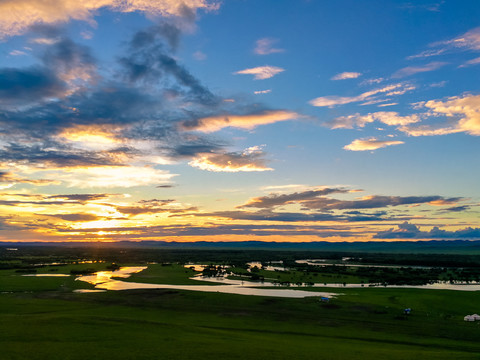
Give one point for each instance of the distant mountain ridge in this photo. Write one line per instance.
(435, 246)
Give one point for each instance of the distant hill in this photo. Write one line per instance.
(433, 246)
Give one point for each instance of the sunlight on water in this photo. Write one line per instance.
(49, 275)
(103, 280)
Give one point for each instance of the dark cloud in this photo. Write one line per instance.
(268, 215)
(145, 207)
(22, 86)
(457, 208)
(51, 199)
(80, 197)
(375, 201)
(74, 217)
(274, 200)
(315, 200)
(271, 216)
(227, 229)
(411, 231)
(149, 62)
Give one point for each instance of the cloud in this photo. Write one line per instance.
(370, 144)
(374, 201)
(391, 118)
(274, 200)
(21, 86)
(262, 92)
(9, 177)
(250, 121)
(200, 56)
(264, 46)
(251, 159)
(462, 115)
(390, 90)
(468, 41)
(74, 217)
(154, 206)
(261, 72)
(17, 53)
(16, 16)
(412, 70)
(80, 198)
(113, 176)
(411, 231)
(471, 62)
(317, 200)
(346, 75)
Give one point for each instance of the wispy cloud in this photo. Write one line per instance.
(261, 72)
(471, 62)
(111, 177)
(262, 92)
(370, 144)
(390, 90)
(346, 75)
(391, 118)
(251, 159)
(468, 41)
(412, 70)
(215, 123)
(265, 46)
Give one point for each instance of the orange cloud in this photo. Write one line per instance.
(215, 123)
(17, 15)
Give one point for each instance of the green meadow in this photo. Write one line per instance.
(42, 318)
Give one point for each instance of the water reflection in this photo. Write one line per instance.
(54, 275)
(103, 280)
(101, 277)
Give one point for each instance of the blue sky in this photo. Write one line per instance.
(239, 120)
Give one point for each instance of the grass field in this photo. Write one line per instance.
(41, 318)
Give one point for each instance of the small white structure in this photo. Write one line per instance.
(474, 317)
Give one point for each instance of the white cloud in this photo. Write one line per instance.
(369, 144)
(262, 92)
(17, 15)
(261, 72)
(466, 109)
(428, 130)
(385, 105)
(412, 70)
(462, 115)
(390, 90)
(346, 75)
(17, 53)
(251, 159)
(390, 118)
(264, 46)
(475, 61)
(468, 41)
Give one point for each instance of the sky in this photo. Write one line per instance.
(235, 120)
